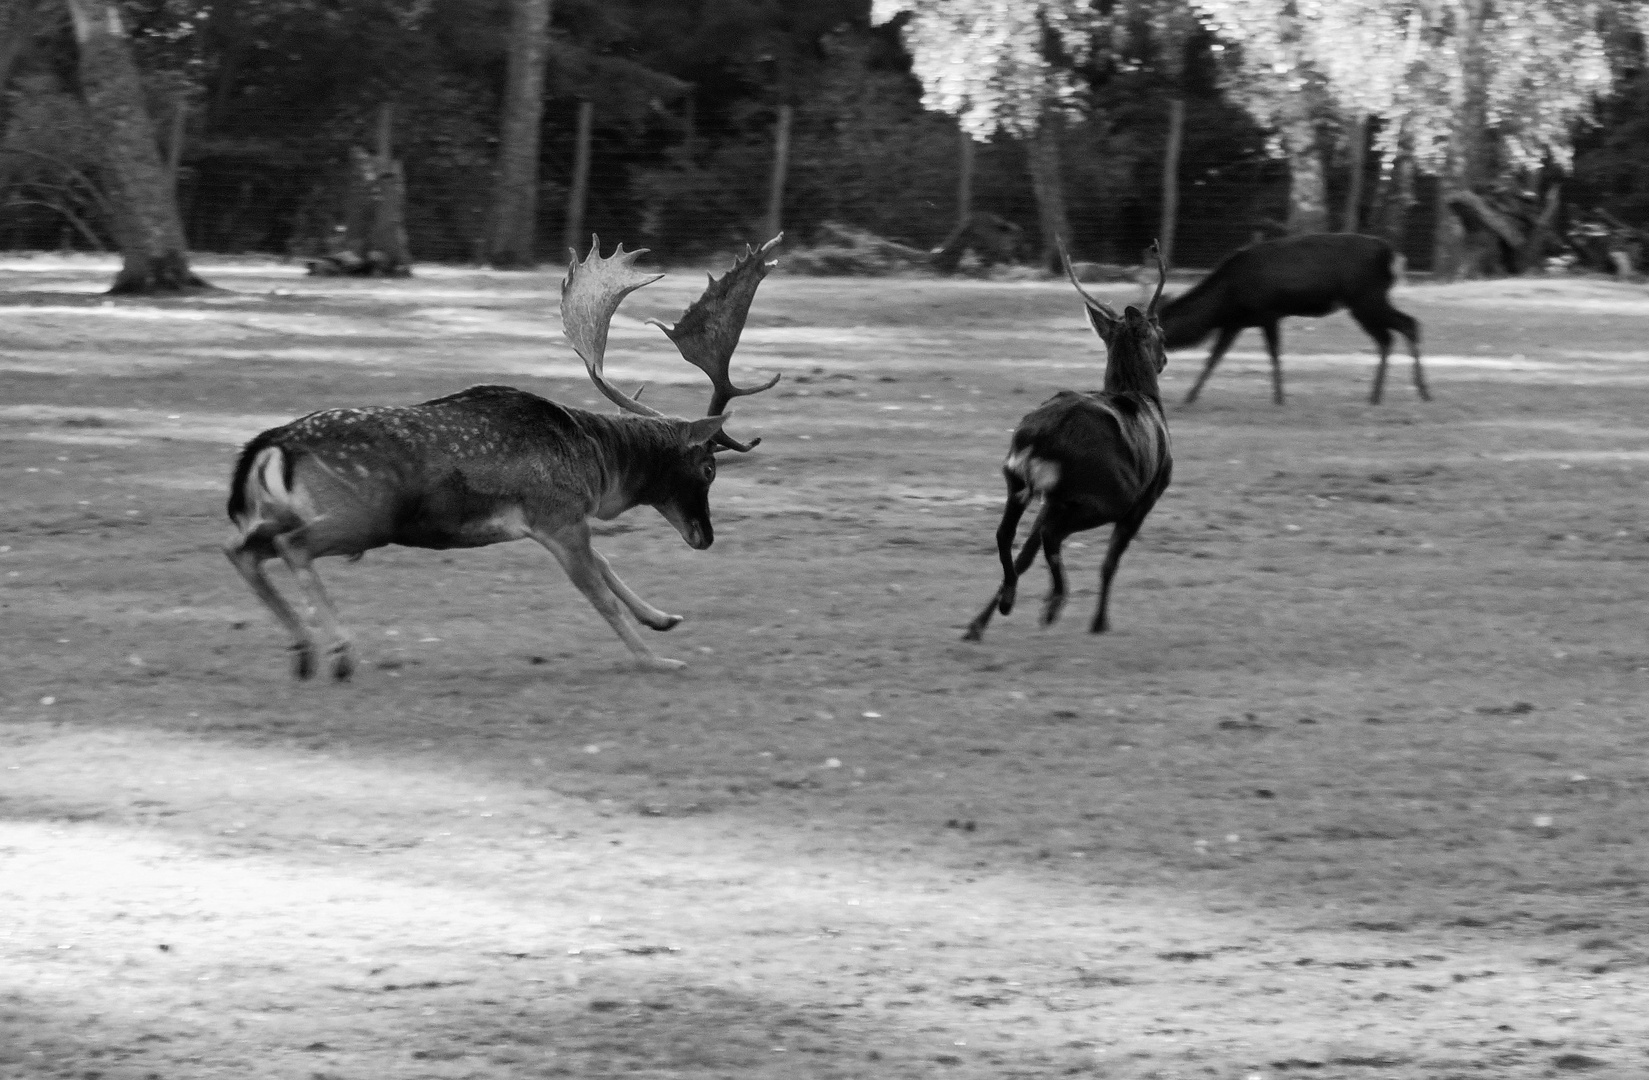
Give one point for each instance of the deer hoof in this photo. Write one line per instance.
(1099, 625)
(975, 633)
(1004, 606)
(669, 622)
(1051, 608)
(343, 664)
(663, 663)
(303, 661)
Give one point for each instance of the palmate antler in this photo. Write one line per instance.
(709, 329)
(590, 294)
(706, 335)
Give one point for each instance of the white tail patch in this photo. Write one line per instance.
(1040, 475)
(267, 496)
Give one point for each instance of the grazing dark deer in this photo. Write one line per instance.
(493, 463)
(1311, 275)
(1095, 458)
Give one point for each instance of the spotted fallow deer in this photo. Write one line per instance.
(493, 463)
(1099, 457)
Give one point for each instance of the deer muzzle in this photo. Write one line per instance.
(697, 531)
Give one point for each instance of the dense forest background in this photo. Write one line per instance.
(257, 104)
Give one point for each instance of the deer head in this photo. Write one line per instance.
(706, 334)
(1144, 331)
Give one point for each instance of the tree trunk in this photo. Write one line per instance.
(1394, 195)
(577, 196)
(781, 168)
(146, 222)
(964, 178)
(1466, 163)
(515, 196)
(1358, 145)
(19, 20)
(1307, 180)
(1170, 179)
(374, 237)
(1048, 184)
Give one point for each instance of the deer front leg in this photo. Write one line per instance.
(641, 609)
(1222, 343)
(250, 565)
(1274, 346)
(571, 548)
(1121, 535)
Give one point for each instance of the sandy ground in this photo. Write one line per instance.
(1355, 789)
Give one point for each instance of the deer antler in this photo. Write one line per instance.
(590, 295)
(1155, 251)
(709, 330)
(1094, 303)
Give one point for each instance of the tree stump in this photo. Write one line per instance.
(372, 241)
(991, 238)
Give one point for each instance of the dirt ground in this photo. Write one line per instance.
(1356, 787)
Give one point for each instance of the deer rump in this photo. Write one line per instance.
(446, 473)
(1111, 451)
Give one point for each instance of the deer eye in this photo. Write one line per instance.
(709, 472)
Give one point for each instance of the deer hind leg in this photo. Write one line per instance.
(249, 559)
(1374, 324)
(641, 609)
(292, 551)
(1378, 321)
(1274, 346)
(571, 548)
(1222, 343)
(1052, 539)
(1020, 495)
(1012, 567)
(1410, 329)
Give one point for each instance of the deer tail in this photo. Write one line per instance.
(262, 486)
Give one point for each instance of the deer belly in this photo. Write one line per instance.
(494, 526)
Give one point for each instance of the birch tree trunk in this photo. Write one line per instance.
(1357, 143)
(515, 196)
(1468, 140)
(146, 223)
(1307, 179)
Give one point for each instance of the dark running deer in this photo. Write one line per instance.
(1311, 276)
(492, 464)
(1095, 458)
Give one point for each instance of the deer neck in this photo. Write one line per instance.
(1191, 316)
(1128, 372)
(633, 453)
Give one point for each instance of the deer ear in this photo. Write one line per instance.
(699, 432)
(1104, 326)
